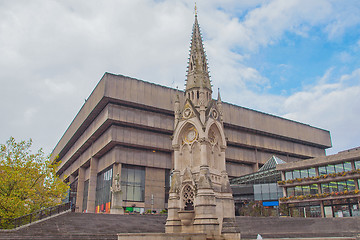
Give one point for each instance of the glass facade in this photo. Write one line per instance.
(267, 192)
(133, 183)
(341, 208)
(103, 193)
(302, 190)
(336, 207)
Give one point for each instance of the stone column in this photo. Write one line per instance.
(92, 185)
(80, 190)
(173, 223)
(205, 220)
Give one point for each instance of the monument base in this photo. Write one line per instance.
(118, 210)
(177, 236)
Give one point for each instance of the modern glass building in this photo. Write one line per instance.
(325, 186)
(258, 189)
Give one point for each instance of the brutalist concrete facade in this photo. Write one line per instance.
(130, 122)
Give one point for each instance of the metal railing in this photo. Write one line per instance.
(33, 217)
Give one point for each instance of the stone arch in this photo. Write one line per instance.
(214, 134)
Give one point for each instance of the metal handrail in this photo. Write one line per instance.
(10, 223)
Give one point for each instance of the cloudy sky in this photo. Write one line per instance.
(299, 59)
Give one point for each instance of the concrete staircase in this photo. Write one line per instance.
(87, 226)
(106, 227)
(286, 227)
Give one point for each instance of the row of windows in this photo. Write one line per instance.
(302, 190)
(330, 187)
(311, 172)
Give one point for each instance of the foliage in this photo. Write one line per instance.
(256, 209)
(28, 181)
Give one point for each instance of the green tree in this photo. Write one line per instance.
(28, 181)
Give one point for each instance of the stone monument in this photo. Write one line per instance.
(200, 195)
(116, 199)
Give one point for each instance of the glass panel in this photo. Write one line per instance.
(357, 164)
(350, 184)
(296, 174)
(347, 166)
(306, 190)
(325, 188)
(355, 210)
(265, 191)
(312, 172)
(298, 191)
(339, 168)
(130, 193)
(290, 191)
(273, 191)
(103, 194)
(314, 189)
(304, 173)
(322, 170)
(333, 187)
(288, 175)
(137, 194)
(133, 182)
(257, 192)
(330, 169)
(328, 211)
(342, 186)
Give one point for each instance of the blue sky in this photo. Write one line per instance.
(296, 59)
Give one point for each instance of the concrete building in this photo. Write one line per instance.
(326, 186)
(125, 127)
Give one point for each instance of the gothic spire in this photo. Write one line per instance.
(198, 74)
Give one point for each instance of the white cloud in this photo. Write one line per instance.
(53, 53)
(331, 106)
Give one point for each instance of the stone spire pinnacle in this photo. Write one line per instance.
(198, 75)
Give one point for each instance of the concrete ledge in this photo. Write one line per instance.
(162, 236)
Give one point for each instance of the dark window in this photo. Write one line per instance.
(347, 166)
(314, 189)
(103, 194)
(133, 183)
(325, 188)
(357, 164)
(330, 169)
(339, 168)
(312, 172)
(322, 170)
(288, 175)
(304, 173)
(296, 174)
(350, 185)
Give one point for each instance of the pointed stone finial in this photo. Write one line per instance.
(198, 79)
(195, 10)
(219, 98)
